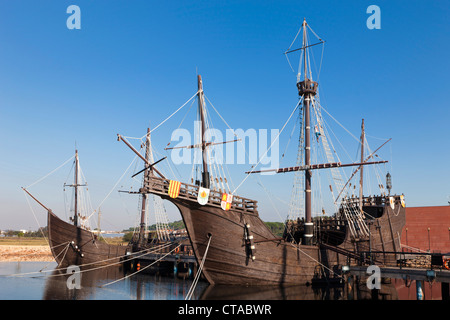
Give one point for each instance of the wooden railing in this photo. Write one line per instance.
(373, 200)
(160, 186)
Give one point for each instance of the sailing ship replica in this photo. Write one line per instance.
(234, 246)
(73, 243)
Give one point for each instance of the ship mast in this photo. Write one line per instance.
(148, 171)
(307, 89)
(75, 214)
(205, 173)
(75, 185)
(206, 178)
(361, 172)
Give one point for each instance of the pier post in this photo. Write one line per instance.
(419, 291)
(445, 291)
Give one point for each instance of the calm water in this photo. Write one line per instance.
(100, 285)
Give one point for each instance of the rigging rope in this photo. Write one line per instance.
(50, 173)
(359, 141)
(112, 189)
(34, 215)
(276, 138)
(170, 115)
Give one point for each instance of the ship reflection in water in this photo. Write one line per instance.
(303, 292)
(115, 283)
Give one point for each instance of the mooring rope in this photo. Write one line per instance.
(63, 250)
(131, 256)
(199, 271)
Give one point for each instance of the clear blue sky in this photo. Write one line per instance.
(134, 62)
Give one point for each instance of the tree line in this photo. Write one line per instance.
(276, 228)
(41, 232)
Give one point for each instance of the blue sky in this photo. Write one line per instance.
(134, 63)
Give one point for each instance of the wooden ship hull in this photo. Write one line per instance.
(72, 245)
(243, 251)
(229, 257)
(229, 260)
(385, 226)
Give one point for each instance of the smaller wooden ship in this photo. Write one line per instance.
(73, 243)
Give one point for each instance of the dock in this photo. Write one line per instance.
(418, 268)
(418, 274)
(176, 258)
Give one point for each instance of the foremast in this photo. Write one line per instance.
(144, 197)
(201, 103)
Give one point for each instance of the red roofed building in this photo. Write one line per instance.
(427, 228)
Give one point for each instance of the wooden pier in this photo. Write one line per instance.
(172, 258)
(420, 274)
(419, 268)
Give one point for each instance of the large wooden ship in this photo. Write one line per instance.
(233, 244)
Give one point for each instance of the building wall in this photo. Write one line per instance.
(427, 228)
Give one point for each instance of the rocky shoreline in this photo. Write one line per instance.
(25, 253)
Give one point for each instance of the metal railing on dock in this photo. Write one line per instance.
(406, 265)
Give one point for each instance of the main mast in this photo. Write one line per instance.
(75, 185)
(205, 173)
(307, 89)
(361, 175)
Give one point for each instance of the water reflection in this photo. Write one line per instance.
(115, 283)
(58, 285)
(355, 291)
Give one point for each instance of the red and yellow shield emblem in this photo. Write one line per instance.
(174, 188)
(227, 199)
